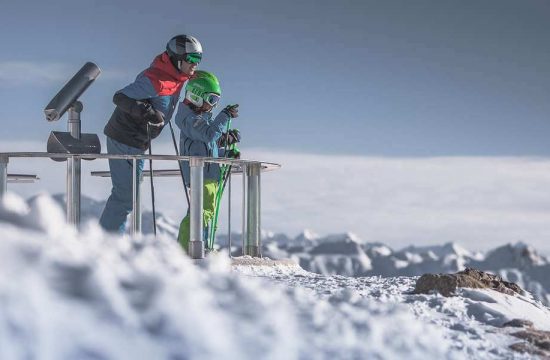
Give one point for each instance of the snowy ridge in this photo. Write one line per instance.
(348, 256)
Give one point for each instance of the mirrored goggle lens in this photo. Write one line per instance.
(212, 99)
(193, 58)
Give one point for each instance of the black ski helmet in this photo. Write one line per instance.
(179, 46)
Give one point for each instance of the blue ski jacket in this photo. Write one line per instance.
(198, 137)
(160, 85)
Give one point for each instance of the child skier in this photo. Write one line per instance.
(142, 108)
(203, 135)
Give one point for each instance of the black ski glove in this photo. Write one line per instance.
(136, 108)
(231, 137)
(154, 131)
(232, 110)
(234, 154)
(140, 109)
(154, 118)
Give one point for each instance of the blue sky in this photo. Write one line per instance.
(399, 78)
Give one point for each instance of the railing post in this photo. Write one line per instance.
(243, 210)
(3, 175)
(136, 200)
(73, 168)
(253, 223)
(229, 212)
(196, 243)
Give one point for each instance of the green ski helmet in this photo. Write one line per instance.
(204, 87)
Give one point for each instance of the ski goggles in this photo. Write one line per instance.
(193, 58)
(212, 99)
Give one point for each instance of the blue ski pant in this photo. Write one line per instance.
(119, 204)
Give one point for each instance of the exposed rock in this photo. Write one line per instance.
(524, 347)
(537, 342)
(446, 284)
(518, 323)
(536, 337)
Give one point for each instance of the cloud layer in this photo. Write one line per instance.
(480, 202)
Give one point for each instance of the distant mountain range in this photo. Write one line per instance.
(345, 254)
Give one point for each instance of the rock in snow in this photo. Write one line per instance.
(537, 342)
(447, 284)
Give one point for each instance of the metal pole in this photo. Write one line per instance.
(3, 175)
(259, 209)
(73, 168)
(136, 200)
(243, 205)
(196, 243)
(151, 176)
(229, 213)
(253, 231)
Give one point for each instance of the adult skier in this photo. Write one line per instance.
(141, 110)
(203, 135)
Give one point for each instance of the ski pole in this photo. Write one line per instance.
(221, 190)
(218, 198)
(179, 164)
(151, 176)
(219, 193)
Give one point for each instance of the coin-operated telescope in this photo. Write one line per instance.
(73, 141)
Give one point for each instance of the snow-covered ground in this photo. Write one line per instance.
(65, 295)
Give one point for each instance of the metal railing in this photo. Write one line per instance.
(251, 197)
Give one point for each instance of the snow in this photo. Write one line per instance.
(464, 335)
(90, 295)
(496, 309)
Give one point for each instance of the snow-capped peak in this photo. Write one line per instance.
(306, 235)
(518, 255)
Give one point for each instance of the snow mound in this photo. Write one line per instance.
(65, 295)
(496, 309)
